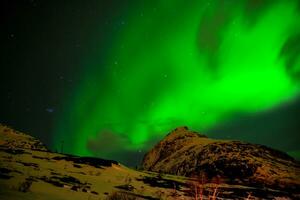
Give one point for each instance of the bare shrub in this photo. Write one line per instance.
(25, 186)
(198, 190)
(121, 196)
(196, 186)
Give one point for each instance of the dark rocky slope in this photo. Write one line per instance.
(187, 153)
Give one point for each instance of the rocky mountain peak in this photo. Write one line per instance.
(182, 132)
(187, 153)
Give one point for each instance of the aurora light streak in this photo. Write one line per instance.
(174, 63)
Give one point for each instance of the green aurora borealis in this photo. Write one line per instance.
(177, 62)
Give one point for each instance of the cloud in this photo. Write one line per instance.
(110, 145)
(107, 142)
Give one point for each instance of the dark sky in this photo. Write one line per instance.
(270, 127)
(54, 52)
(41, 46)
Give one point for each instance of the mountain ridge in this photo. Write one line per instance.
(186, 153)
(28, 171)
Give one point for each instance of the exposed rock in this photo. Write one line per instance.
(16, 140)
(184, 152)
(96, 162)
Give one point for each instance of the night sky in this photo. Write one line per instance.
(111, 78)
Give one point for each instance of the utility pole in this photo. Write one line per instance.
(62, 147)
